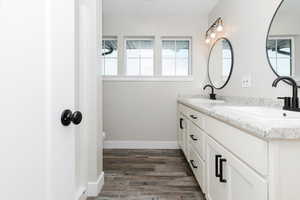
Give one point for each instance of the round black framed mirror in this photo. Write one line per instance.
(283, 40)
(220, 63)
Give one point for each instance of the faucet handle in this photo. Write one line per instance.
(287, 102)
(212, 96)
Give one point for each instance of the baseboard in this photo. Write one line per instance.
(118, 144)
(81, 194)
(94, 188)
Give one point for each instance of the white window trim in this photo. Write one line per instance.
(110, 38)
(293, 49)
(190, 73)
(148, 78)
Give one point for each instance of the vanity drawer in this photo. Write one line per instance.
(193, 115)
(183, 109)
(248, 148)
(196, 117)
(198, 167)
(196, 139)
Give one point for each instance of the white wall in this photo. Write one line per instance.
(146, 111)
(246, 25)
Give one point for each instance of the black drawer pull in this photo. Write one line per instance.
(180, 124)
(193, 138)
(193, 165)
(217, 157)
(222, 180)
(193, 116)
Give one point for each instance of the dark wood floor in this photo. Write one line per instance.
(148, 175)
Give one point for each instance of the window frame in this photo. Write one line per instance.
(166, 38)
(125, 55)
(157, 60)
(292, 49)
(105, 38)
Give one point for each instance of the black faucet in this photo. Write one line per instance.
(288, 105)
(212, 96)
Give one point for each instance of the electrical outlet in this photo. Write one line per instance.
(246, 82)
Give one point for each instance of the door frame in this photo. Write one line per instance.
(89, 33)
(77, 23)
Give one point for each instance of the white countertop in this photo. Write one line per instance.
(286, 125)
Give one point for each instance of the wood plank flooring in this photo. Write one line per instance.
(148, 175)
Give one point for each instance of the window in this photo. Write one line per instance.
(281, 55)
(143, 58)
(139, 57)
(176, 58)
(110, 57)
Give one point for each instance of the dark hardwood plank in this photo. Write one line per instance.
(148, 175)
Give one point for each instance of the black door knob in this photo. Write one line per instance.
(67, 117)
(76, 117)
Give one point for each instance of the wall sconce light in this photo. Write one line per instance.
(217, 26)
(213, 35)
(207, 40)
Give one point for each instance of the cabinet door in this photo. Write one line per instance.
(198, 167)
(215, 190)
(236, 180)
(181, 131)
(243, 182)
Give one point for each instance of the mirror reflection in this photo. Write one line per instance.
(283, 41)
(220, 63)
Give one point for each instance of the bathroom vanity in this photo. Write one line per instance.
(241, 152)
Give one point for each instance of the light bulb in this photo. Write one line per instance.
(207, 40)
(213, 35)
(220, 28)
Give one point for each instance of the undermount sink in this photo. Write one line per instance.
(261, 113)
(203, 101)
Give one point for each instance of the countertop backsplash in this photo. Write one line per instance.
(237, 100)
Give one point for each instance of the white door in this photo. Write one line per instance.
(37, 83)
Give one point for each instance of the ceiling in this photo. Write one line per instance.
(151, 8)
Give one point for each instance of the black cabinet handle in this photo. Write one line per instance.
(193, 116)
(193, 138)
(217, 157)
(222, 180)
(180, 123)
(193, 165)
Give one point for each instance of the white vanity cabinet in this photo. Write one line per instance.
(230, 164)
(228, 178)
